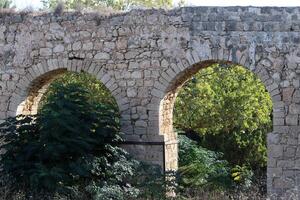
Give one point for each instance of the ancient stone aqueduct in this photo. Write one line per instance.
(143, 57)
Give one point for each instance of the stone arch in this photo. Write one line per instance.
(170, 81)
(36, 90)
(35, 82)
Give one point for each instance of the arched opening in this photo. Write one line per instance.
(34, 83)
(36, 90)
(166, 110)
(41, 86)
(73, 134)
(171, 93)
(167, 104)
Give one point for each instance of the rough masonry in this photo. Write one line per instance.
(144, 56)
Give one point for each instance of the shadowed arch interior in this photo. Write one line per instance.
(36, 90)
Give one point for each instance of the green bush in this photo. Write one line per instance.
(72, 142)
(105, 172)
(202, 168)
(229, 109)
(204, 173)
(242, 176)
(69, 150)
(95, 91)
(114, 4)
(5, 4)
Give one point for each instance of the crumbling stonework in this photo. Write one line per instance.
(143, 57)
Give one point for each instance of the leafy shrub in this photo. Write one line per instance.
(72, 142)
(231, 113)
(95, 91)
(69, 150)
(114, 4)
(203, 174)
(199, 167)
(242, 175)
(5, 4)
(111, 176)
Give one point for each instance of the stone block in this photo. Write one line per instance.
(287, 94)
(274, 172)
(45, 51)
(131, 92)
(157, 93)
(273, 138)
(294, 109)
(297, 162)
(87, 46)
(59, 48)
(102, 56)
(286, 164)
(76, 46)
(296, 96)
(291, 119)
(290, 152)
(131, 54)
(136, 74)
(275, 150)
(278, 121)
(141, 123)
(283, 183)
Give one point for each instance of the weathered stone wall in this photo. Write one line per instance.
(143, 57)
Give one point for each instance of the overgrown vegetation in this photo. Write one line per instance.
(5, 3)
(71, 143)
(231, 113)
(95, 91)
(114, 4)
(69, 150)
(201, 168)
(204, 174)
(224, 109)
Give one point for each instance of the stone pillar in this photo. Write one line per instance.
(150, 152)
(171, 155)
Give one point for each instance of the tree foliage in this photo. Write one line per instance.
(229, 108)
(5, 3)
(115, 4)
(72, 141)
(71, 147)
(95, 91)
(202, 168)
